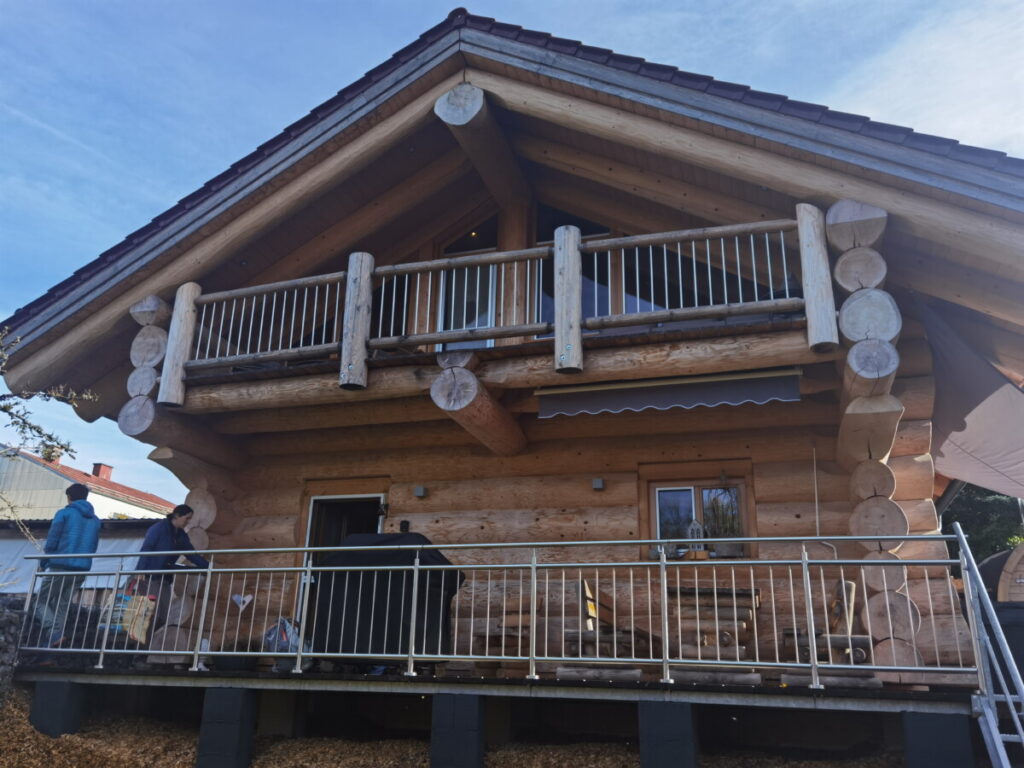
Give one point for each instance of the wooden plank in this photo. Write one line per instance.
(397, 411)
(917, 394)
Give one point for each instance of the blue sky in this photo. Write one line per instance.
(112, 110)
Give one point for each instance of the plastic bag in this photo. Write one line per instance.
(283, 637)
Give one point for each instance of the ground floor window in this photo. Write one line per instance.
(692, 500)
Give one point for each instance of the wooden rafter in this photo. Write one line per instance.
(465, 111)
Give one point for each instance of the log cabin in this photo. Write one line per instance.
(644, 354)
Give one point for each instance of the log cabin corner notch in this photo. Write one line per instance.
(492, 218)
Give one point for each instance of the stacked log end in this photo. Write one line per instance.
(870, 326)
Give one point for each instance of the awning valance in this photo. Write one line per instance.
(663, 394)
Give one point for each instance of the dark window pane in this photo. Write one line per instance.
(675, 512)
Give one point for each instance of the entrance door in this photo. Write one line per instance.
(332, 519)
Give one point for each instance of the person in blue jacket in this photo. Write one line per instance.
(168, 535)
(75, 531)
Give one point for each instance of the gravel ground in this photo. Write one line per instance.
(139, 743)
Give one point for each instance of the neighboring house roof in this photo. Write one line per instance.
(104, 486)
(459, 22)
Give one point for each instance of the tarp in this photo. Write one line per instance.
(16, 572)
(978, 425)
(663, 396)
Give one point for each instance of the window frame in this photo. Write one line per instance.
(697, 475)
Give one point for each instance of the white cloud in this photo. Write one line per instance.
(959, 75)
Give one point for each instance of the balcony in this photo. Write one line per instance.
(563, 296)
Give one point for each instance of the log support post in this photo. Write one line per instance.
(819, 300)
(459, 393)
(355, 330)
(568, 300)
(179, 343)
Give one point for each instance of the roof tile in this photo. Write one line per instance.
(802, 109)
(728, 90)
(844, 120)
(772, 101)
(886, 131)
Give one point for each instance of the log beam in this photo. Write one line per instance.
(151, 310)
(867, 430)
(870, 314)
(870, 370)
(460, 394)
(699, 201)
(696, 357)
(860, 268)
(144, 420)
(852, 224)
(465, 111)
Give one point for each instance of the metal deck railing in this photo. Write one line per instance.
(534, 609)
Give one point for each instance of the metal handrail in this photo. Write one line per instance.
(993, 656)
(650, 623)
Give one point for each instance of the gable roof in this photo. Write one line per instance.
(988, 176)
(103, 486)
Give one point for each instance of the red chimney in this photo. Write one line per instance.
(102, 471)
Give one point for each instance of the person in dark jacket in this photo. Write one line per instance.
(168, 535)
(75, 531)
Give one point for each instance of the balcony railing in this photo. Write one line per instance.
(533, 609)
(563, 290)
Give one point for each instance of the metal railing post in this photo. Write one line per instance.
(26, 633)
(975, 619)
(666, 675)
(202, 615)
(532, 674)
(110, 614)
(307, 576)
(410, 669)
(812, 640)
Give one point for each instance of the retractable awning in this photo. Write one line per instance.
(664, 394)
